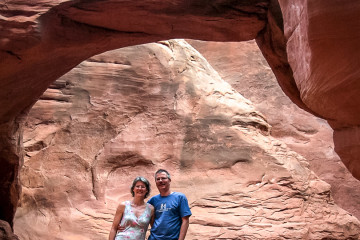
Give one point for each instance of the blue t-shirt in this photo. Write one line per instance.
(168, 213)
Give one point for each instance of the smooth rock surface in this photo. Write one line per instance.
(322, 48)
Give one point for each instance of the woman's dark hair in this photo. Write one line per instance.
(141, 179)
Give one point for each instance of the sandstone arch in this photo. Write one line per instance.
(39, 43)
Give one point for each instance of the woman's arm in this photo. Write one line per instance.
(116, 222)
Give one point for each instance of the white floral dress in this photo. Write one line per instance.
(135, 228)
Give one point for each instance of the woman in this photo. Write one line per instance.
(133, 216)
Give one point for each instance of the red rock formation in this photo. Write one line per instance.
(322, 48)
(42, 40)
(70, 32)
(243, 66)
(128, 112)
(11, 157)
(6, 231)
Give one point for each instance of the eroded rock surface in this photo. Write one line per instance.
(54, 36)
(6, 232)
(312, 50)
(131, 111)
(242, 65)
(11, 157)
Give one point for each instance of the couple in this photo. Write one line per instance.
(168, 213)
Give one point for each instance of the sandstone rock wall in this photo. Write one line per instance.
(312, 47)
(322, 48)
(131, 111)
(242, 65)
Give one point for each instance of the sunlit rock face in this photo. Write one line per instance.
(243, 66)
(131, 111)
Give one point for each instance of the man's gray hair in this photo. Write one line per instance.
(161, 171)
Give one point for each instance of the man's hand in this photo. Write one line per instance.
(120, 228)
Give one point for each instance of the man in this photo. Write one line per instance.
(172, 210)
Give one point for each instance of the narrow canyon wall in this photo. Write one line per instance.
(131, 111)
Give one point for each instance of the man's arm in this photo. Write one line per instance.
(152, 219)
(184, 227)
